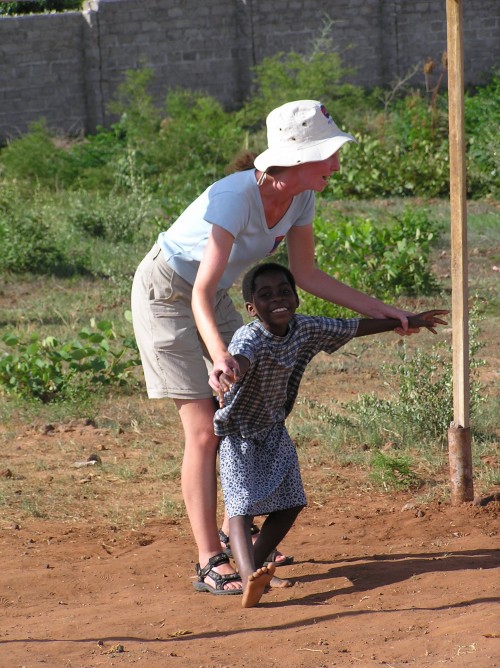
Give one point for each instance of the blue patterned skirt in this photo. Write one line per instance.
(261, 474)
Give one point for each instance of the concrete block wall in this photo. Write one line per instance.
(41, 72)
(67, 67)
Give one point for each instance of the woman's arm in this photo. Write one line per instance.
(211, 268)
(301, 255)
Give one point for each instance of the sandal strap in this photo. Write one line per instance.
(224, 538)
(219, 580)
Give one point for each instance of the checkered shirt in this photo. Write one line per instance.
(266, 394)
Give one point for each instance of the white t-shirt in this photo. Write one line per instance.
(233, 203)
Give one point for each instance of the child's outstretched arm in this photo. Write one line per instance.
(427, 319)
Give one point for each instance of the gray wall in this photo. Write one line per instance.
(66, 67)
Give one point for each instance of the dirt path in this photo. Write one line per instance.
(374, 585)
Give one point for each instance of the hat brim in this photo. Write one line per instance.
(280, 156)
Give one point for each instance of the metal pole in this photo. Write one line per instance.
(459, 439)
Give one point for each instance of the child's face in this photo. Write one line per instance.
(274, 302)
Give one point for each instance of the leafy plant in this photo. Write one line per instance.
(112, 216)
(35, 157)
(400, 152)
(482, 123)
(318, 74)
(419, 407)
(50, 370)
(383, 259)
(30, 244)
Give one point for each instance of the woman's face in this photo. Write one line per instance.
(315, 175)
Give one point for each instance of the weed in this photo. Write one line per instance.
(393, 472)
(170, 508)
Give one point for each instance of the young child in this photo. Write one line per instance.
(259, 467)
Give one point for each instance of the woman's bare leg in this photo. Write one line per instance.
(199, 483)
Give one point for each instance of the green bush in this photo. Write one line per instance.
(48, 370)
(317, 73)
(401, 152)
(198, 137)
(482, 124)
(30, 245)
(35, 157)
(111, 216)
(387, 260)
(418, 409)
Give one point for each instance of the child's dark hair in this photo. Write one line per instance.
(248, 285)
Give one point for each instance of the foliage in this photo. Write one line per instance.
(39, 6)
(111, 216)
(401, 151)
(213, 137)
(419, 408)
(383, 259)
(422, 387)
(139, 119)
(482, 124)
(29, 242)
(177, 151)
(393, 472)
(51, 370)
(35, 157)
(317, 73)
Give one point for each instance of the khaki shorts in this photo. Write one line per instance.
(174, 359)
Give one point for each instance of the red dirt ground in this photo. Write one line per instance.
(377, 582)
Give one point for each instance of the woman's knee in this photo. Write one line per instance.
(203, 441)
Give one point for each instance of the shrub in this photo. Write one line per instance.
(198, 134)
(482, 121)
(383, 259)
(48, 370)
(35, 157)
(420, 407)
(401, 152)
(30, 245)
(318, 74)
(111, 216)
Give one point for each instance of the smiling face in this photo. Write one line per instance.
(274, 301)
(315, 175)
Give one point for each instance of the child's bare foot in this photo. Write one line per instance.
(256, 585)
(279, 583)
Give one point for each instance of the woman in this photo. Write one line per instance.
(184, 319)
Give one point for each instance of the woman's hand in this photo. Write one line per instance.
(225, 372)
(387, 311)
(225, 384)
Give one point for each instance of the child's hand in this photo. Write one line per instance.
(427, 319)
(225, 384)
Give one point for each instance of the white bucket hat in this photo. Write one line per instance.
(298, 132)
